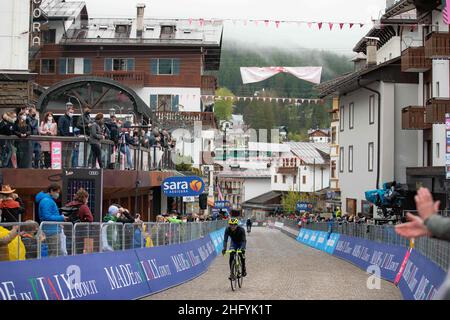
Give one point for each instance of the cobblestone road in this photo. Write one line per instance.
(281, 268)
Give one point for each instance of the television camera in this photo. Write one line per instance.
(390, 201)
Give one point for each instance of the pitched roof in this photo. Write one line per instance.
(311, 153)
(255, 174)
(265, 198)
(330, 87)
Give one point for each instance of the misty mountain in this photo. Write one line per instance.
(268, 115)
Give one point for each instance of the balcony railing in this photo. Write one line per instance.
(437, 45)
(179, 118)
(125, 77)
(287, 170)
(209, 85)
(75, 152)
(413, 118)
(413, 60)
(436, 109)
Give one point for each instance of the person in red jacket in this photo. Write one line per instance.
(80, 200)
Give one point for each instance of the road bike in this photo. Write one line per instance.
(236, 277)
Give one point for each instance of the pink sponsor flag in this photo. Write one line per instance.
(445, 13)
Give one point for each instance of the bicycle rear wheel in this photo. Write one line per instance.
(234, 282)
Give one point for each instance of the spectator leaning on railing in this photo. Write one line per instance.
(427, 223)
(96, 136)
(22, 129)
(7, 129)
(33, 119)
(66, 129)
(48, 128)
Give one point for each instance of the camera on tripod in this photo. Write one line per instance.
(390, 200)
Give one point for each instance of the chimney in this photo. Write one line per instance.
(140, 20)
(371, 48)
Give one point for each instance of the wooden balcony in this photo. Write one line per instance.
(208, 85)
(173, 119)
(124, 77)
(413, 118)
(436, 109)
(437, 45)
(287, 170)
(413, 60)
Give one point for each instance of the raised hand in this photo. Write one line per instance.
(413, 229)
(425, 204)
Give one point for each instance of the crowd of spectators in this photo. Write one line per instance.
(54, 234)
(122, 133)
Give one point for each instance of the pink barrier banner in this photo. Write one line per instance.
(402, 267)
(56, 155)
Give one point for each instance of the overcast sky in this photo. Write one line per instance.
(288, 36)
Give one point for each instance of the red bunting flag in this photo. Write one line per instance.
(361, 25)
(266, 22)
(331, 25)
(309, 25)
(341, 25)
(277, 23)
(190, 20)
(201, 22)
(351, 25)
(320, 25)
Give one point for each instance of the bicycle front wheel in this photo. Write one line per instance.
(238, 273)
(233, 280)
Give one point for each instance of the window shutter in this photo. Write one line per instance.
(62, 66)
(108, 64)
(153, 102)
(175, 102)
(154, 66)
(176, 66)
(87, 67)
(130, 64)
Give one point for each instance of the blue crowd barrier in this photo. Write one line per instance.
(417, 277)
(120, 275)
(217, 238)
(365, 253)
(421, 278)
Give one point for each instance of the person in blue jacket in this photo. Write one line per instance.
(49, 212)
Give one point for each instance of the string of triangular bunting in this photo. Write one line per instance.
(212, 98)
(277, 23)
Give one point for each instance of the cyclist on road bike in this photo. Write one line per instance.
(238, 242)
(249, 225)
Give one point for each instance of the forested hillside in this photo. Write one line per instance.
(269, 115)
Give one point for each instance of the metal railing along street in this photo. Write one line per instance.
(54, 239)
(76, 153)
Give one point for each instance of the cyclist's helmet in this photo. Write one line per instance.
(233, 221)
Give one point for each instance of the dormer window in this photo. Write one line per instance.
(120, 28)
(167, 32)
